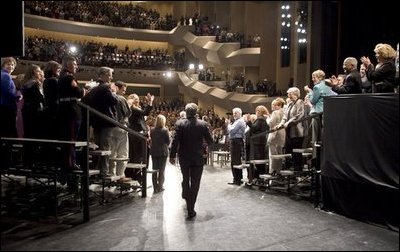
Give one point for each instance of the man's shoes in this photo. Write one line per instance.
(192, 214)
(248, 185)
(238, 183)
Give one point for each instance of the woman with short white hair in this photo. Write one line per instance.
(294, 131)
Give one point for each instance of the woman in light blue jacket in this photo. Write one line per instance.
(315, 99)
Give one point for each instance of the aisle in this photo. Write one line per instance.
(228, 218)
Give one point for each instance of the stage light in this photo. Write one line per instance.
(191, 66)
(73, 49)
(201, 67)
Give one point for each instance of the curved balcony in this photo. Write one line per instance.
(220, 97)
(202, 47)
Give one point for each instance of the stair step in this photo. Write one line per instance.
(135, 166)
(118, 159)
(93, 172)
(241, 166)
(100, 153)
(286, 173)
(259, 161)
(267, 176)
(307, 150)
(281, 156)
(112, 178)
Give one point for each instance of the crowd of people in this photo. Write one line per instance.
(90, 53)
(103, 13)
(49, 97)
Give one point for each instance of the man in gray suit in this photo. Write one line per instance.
(190, 134)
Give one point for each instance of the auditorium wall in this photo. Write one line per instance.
(236, 16)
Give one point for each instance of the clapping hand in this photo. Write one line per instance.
(333, 81)
(366, 61)
(150, 99)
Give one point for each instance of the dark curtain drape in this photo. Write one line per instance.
(360, 159)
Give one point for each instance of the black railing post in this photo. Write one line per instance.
(144, 169)
(122, 126)
(317, 173)
(85, 177)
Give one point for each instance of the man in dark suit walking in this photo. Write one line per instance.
(190, 134)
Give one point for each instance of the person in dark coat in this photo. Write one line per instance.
(159, 139)
(69, 118)
(352, 82)
(190, 134)
(382, 76)
(52, 71)
(137, 122)
(104, 99)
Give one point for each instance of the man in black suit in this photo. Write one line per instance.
(190, 134)
(352, 82)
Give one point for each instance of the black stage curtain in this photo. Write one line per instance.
(360, 158)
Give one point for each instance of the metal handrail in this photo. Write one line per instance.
(130, 131)
(306, 118)
(110, 120)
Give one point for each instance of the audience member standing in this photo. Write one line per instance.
(294, 131)
(352, 81)
(137, 122)
(119, 137)
(32, 111)
(159, 142)
(383, 77)
(188, 140)
(20, 104)
(247, 143)
(257, 139)
(276, 139)
(366, 85)
(52, 71)
(9, 99)
(69, 116)
(236, 129)
(103, 98)
(316, 99)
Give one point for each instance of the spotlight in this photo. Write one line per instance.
(73, 49)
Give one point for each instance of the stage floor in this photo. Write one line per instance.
(229, 217)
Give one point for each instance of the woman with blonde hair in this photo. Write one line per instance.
(32, 110)
(383, 76)
(137, 122)
(159, 142)
(258, 139)
(276, 139)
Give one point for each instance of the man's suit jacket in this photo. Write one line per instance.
(351, 84)
(190, 134)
